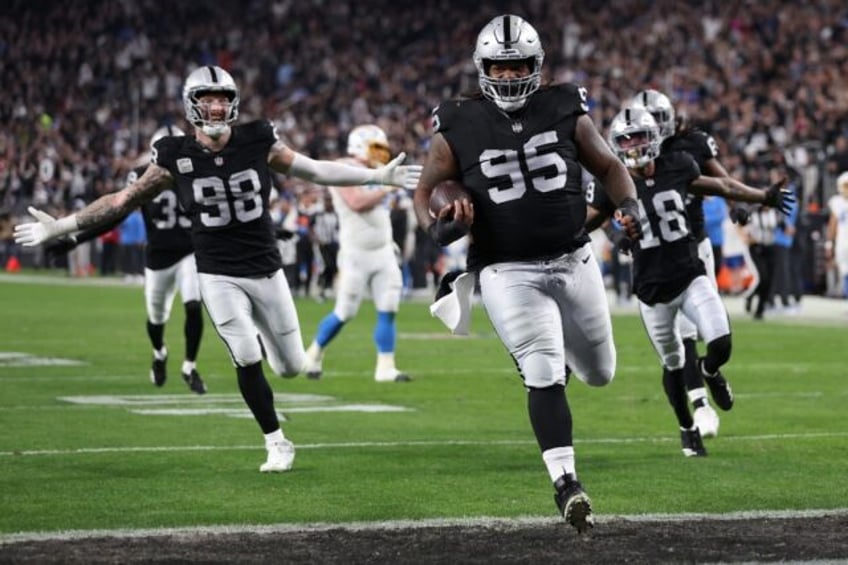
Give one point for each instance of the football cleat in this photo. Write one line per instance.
(194, 382)
(719, 387)
(706, 420)
(312, 367)
(693, 445)
(158, 374)
(391, 376)
(573, 503)
(280, 457)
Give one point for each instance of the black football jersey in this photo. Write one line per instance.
(522, 172)
(168, 233)
(225, 194)
(666, 259)
(702, 147)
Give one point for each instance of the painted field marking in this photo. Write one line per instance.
(229, 405)
(19, 359)
(499, 523)
(411, 444)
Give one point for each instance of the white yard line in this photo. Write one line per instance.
(385, 444)
(479, 522)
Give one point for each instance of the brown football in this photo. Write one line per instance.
(446, 192)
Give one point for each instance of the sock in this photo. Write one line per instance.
(193, 328)
(188, 367)
(385, 332)
(328, 328)
(559, 461)
(385, 362)
(698, 396)
(258, 396)
(160, 354)
(274, 437)
(156, 332)
(675, 390)
(550, 417)
(691, 377)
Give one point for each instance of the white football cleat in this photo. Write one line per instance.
(706, 420)
(280, 457)
(312, 366)
(391, 376)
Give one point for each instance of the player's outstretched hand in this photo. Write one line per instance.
(779, 197)
(395, 174)
(34, 233)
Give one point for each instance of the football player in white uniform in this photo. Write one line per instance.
(367, 260)
(222, 176)
(836, 245)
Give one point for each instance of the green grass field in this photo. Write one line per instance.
(97, 446)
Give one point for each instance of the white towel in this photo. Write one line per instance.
(454, 308)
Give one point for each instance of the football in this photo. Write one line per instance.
(445, 193)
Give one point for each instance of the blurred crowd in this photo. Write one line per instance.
(86, 85)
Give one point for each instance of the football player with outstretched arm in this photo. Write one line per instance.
(668, 275)
(222, 177)
(519, 149)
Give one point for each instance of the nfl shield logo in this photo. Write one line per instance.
(517, 127)
(219, 161)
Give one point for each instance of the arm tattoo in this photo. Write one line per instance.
(110, 207)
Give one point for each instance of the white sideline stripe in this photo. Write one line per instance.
(479, 522)
(381, 444)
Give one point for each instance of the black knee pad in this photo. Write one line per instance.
(192, 306)
(718, 350)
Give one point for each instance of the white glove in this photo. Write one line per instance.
(46, 228)
(395, 174)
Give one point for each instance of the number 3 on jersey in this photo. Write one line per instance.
(238, 197)
(666, 223)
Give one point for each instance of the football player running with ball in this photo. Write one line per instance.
(669, 278)
(518, 148)
(222, 176)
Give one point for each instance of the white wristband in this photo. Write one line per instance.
(65, 225)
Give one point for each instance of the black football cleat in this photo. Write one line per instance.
(719, 388)
(692, 444)
(158, 374)
(573, 503)
(194, 382)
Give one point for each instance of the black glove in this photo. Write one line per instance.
(282, 233)
(60, 246)
(740, 214)
(629, 207)
(781, 198)
(445, 232)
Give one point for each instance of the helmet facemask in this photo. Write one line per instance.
(508, 38)
(204, 81)
(634, 137)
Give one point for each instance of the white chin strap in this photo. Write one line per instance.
(215, 130)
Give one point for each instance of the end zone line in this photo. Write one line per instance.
(499, 523)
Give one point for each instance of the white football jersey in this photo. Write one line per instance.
(367, 230)
(838, 206)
